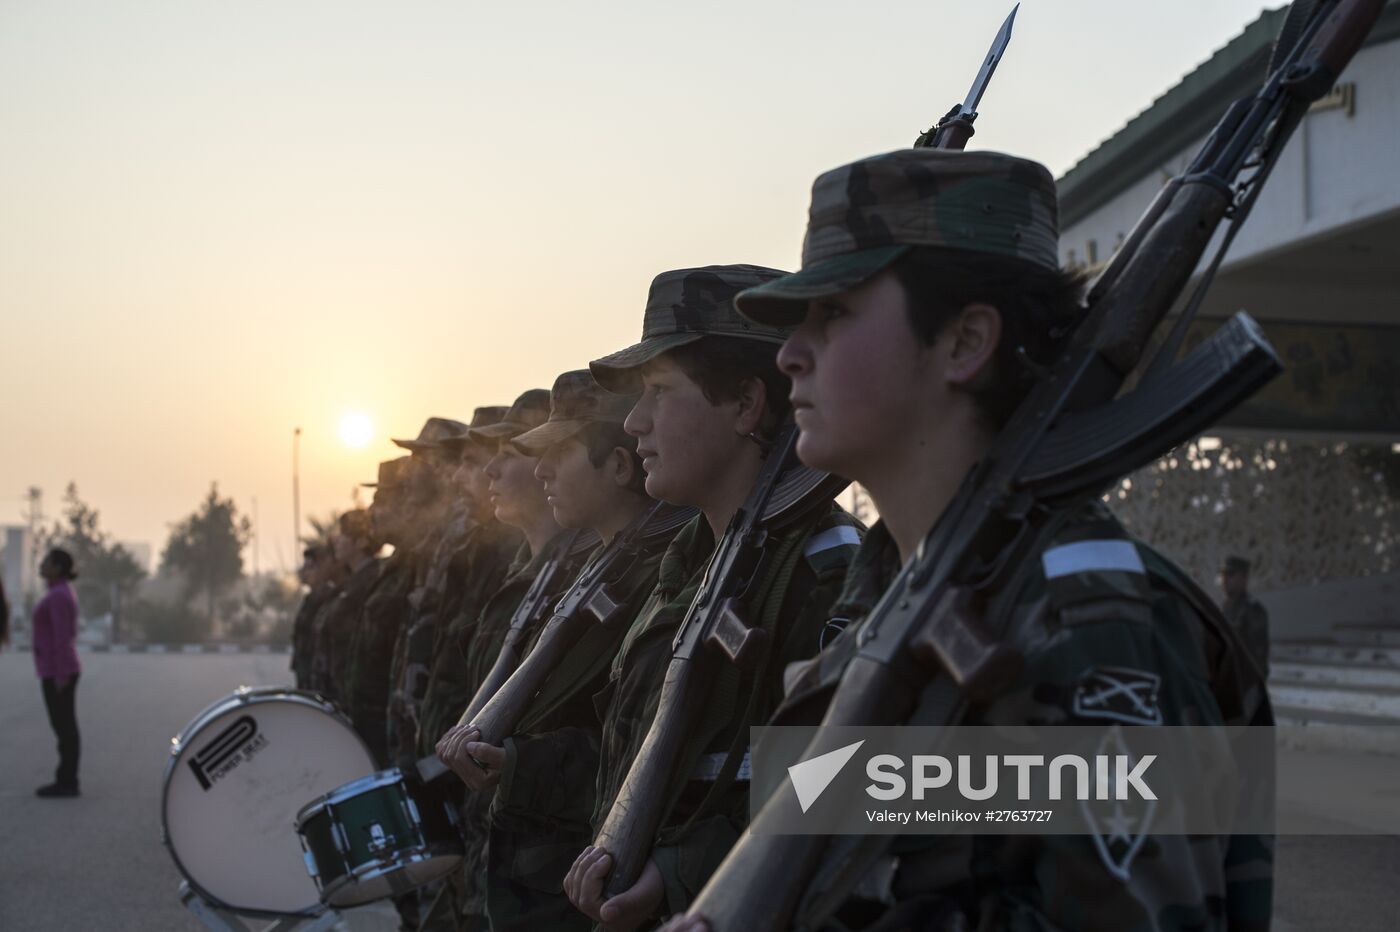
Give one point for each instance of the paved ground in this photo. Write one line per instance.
(97, 862)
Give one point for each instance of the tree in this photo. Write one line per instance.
(322, 530)
(107, 572)
(206, 549)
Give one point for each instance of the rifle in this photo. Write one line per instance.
(784, 492)
(531, 608)
(931, 648)
(590, 600)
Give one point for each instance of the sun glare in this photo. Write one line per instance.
(356, 430)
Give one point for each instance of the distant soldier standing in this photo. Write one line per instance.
(355, 546)
(444, 523)
(313, 574)
(476, 571)
(400, 516)
(1244, 612)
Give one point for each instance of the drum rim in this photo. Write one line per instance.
(390, 776)
(243, 695)
(374, 869)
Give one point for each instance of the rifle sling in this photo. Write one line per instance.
(784, 565)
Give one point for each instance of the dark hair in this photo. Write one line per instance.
(721, 366)
(600, 438)
(63, 560)
(1039, 310)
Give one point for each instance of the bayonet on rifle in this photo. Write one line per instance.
(955, 128)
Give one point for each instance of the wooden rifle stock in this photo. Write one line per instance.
(630, 828)
(531, 607)
(589, 601)
(713, 624)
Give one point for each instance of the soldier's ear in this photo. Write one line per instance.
(753, 404)
(969, 343)
(620, 466)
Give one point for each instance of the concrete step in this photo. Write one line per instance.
(1315, 730)
(1367, 634)
(1353, 675)
(1373, 703)
(1331, 652)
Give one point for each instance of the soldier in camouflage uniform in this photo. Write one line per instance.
(1246, 614)
(544, 776)
(712, 399)
(355, 547)
(519, 501)
(412, 652)
(317, 575)
(474, 574)
(404, 500)
(930, 294)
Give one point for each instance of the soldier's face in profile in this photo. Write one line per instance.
(471, 479)
(861, 378)
(687, 444)
(573, 486)
(512, 488)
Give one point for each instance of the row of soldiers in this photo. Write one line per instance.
(929, 300)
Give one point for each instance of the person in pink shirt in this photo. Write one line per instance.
(56, 661)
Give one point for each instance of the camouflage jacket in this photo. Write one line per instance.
(484, 646)
(540, 818)
(1147, 626)
(438, 593)
(476, 573)
(367, 679)
(336, 627)
(1250, 620)
(791, 601)
(304, 632)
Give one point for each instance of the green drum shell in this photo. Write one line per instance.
(377, 837)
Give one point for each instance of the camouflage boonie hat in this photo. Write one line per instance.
(575, 401)
(531, 409)
(867, 214)
(435, 430)
(683, 306)
(484, 416)
(391, 473)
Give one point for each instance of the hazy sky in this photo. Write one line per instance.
(219, 221)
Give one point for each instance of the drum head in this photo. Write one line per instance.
(237, 777)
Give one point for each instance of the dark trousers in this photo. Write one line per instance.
(63, 718)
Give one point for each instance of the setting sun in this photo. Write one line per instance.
(356, 430)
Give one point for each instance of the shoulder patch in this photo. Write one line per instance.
(832, 548)
(1118, 694)
(1091, 556)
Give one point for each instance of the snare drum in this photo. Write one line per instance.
(236, 778)
(379, 836)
